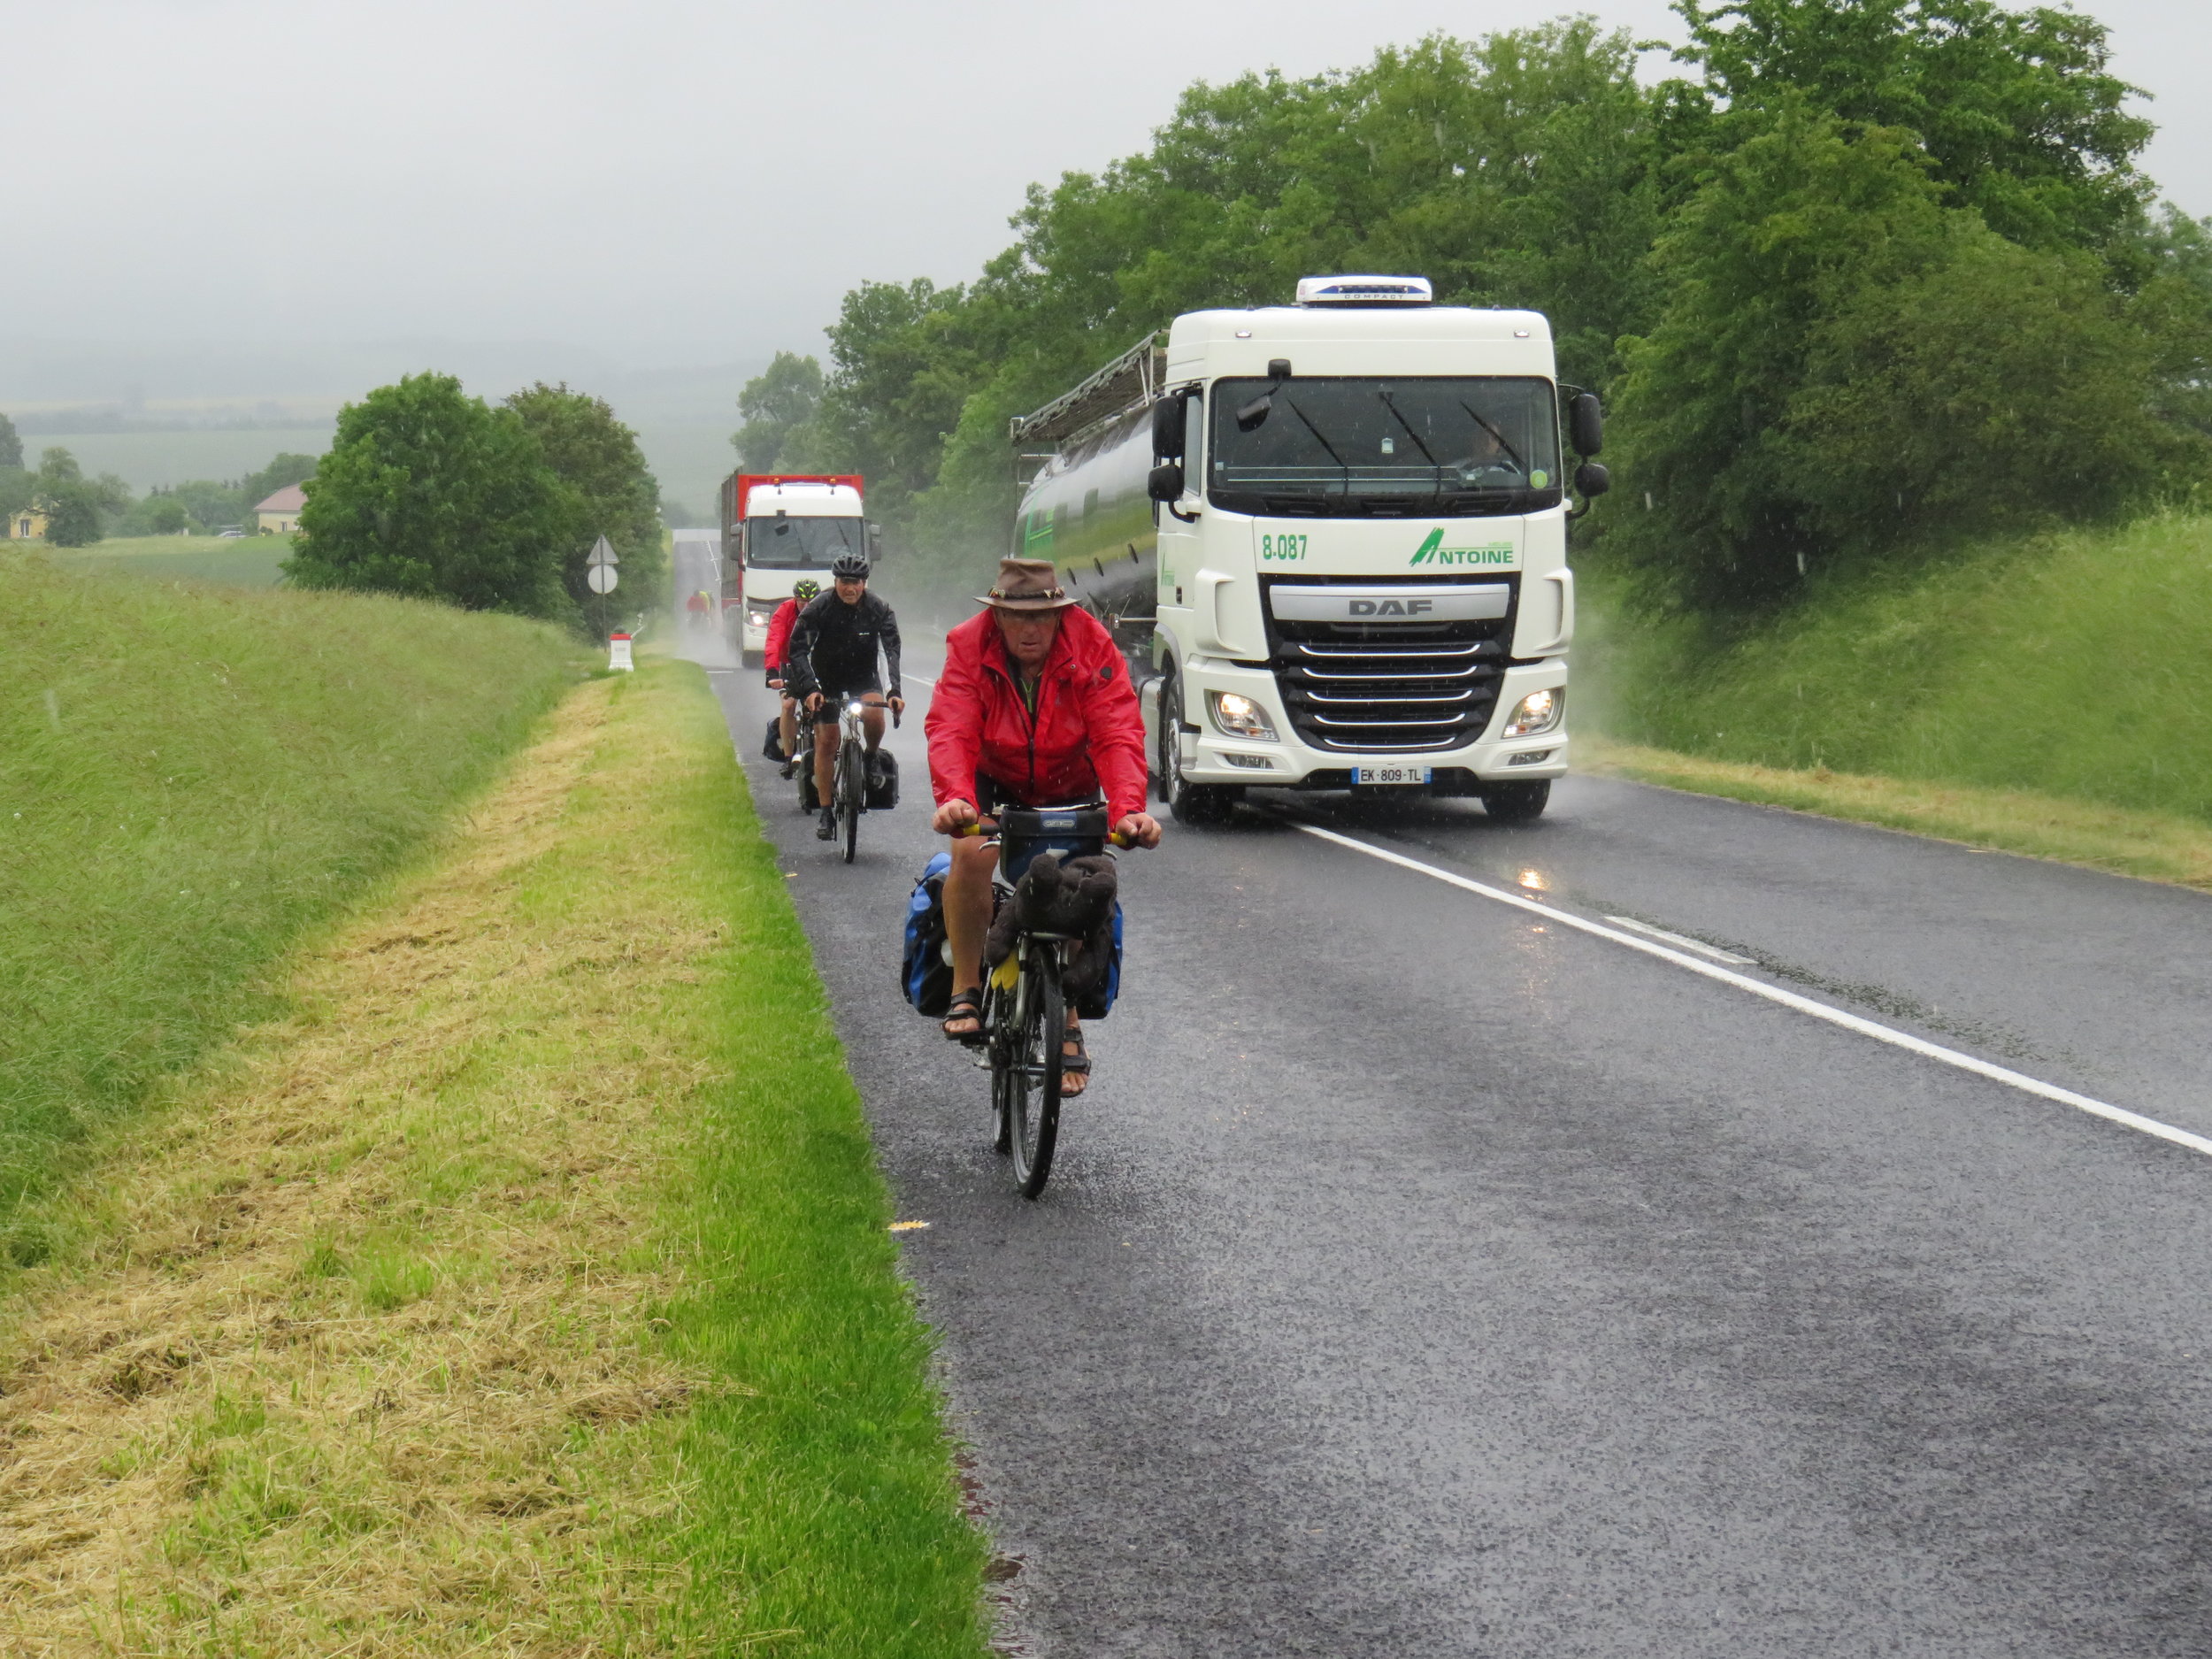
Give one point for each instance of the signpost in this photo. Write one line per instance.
(600, 575)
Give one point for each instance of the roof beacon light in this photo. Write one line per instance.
(1366, 290)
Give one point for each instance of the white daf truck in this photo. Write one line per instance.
(776, 528)
(1331, 537)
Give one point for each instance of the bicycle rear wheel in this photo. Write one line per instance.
(1033, 1078)
(852, 786)
(1002, 1089)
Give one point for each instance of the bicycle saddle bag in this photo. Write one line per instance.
(883, 782)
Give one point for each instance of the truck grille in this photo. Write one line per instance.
(1388, 687)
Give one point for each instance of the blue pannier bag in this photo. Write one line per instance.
(1098, 1002)
(924, 966)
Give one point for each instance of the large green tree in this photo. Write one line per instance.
(282, 470)
(1847, 363)
(429, 491)
(2019, 111)
(78, 509)
(778, 405)
(10, 446)
(598, 458)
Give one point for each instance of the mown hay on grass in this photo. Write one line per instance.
(361, 1366)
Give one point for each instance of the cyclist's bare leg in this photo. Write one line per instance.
(871, 722)
(968, 919)
(1073, 1083)
(826, 738)
(787, 727)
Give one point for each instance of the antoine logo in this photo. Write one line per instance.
(1433, 551)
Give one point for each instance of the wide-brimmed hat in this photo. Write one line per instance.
(1027, 585)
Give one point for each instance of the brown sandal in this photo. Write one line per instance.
(965, 1005)
(1076, 1064)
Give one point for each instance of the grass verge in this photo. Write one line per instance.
(2156, 846)
(188, 779)
(525, 1290)
(2076, 666)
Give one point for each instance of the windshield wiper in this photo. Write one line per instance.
(1408, 424)
(1503, 444)
(1325, 443)
(1389, 404)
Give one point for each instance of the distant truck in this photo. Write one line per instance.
(1332, 539)
(776, 528)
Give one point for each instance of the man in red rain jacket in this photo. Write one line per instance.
(1033, 709)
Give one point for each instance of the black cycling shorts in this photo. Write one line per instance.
(840, 693)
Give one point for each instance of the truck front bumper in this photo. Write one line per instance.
(1212, 756)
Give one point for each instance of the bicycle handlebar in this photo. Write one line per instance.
(985, 826)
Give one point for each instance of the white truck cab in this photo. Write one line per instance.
(1339, 528)
(777, 529)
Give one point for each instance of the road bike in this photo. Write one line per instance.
(1025, 1013)
(849, 784)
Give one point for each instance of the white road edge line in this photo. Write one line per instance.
(1682, 942)
(1787, 999)
(919, 679)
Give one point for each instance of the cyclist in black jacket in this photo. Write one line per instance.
(833, 655)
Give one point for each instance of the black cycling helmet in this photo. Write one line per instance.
(851, 567)
(805, 588)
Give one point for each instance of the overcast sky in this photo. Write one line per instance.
(657, 182)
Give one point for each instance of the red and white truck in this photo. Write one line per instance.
(776, 528)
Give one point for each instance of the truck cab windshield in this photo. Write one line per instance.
(810, 543)
(1388, 448)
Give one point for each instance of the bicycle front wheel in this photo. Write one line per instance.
(852, 783)
(1032, 1084)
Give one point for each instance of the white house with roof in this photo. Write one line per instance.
(279, 514)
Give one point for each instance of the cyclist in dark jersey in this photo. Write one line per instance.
(833, 655)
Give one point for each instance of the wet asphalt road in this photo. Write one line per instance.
(1421, 1278)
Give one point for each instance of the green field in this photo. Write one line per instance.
(2078, 665)
(190, 778)
(252, 561)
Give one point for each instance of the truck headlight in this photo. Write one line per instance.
(1241, 717)
(755, 618)
(1538, 711)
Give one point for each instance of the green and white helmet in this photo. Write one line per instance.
(805, 588)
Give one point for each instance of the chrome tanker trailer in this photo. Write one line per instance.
(1332, 538)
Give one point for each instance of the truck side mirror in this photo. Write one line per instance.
(1592, 479)
(1165, 482)
(875, 540)
(1585, 424)
(1167, 429)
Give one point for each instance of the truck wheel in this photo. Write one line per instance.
(1517, 802)
(1190, 802)
(750, 659)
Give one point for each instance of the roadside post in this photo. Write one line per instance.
(619, 653)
